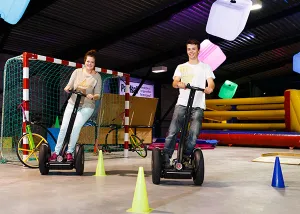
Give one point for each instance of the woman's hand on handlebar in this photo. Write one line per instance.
(90, 96)
(67, 89)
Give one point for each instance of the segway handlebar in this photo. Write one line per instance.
(195, 88)
(77, 92)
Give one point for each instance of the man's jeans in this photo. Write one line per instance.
(177, 123)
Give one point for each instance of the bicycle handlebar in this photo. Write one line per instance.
(195, 88)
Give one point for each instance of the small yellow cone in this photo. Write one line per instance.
(100, 171)
(140, 199)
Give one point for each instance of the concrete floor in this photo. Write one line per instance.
(233, 184)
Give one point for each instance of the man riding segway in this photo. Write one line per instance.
(196, 74)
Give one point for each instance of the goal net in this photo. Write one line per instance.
(38, 81)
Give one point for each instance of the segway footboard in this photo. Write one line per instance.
(177, 174)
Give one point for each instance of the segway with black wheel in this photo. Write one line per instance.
(178, 169)
(198, 164)
(61, 163)
(156, 165)
(44, 155)
(79, 159)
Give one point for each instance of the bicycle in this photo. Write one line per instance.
(136, 144)
(29, 144)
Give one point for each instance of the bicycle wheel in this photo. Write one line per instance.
(106, 147)
(41, 129)
(138, 145)
(31, 159)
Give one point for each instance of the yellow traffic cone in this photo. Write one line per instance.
(100, 171)
(140, 199)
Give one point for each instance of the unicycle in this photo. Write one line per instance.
(61, 163)
(178, 170)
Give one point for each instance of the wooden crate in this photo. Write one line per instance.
(87, 135)
(141, 118)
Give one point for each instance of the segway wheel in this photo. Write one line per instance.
(79, 159)
(156, 165)
(44, 155)
(198, 171)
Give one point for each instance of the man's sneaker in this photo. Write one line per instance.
(53, 157)
(69, 157)
(186, 161)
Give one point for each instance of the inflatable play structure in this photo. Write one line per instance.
(227, 19)
(12, 10)
(261, 121)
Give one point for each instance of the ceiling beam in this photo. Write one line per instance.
(5, 29)
(33, 8)
(265, 20)
(155, 59)
(235, 57)
(100, 41)
(250, 52)
(279, 81)
(13, 53)
(258, 49)
(254, 70)
(273, 17)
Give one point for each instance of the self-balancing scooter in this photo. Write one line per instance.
(178, 170)
(61, 163)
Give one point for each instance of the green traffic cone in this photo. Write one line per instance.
(56, 125)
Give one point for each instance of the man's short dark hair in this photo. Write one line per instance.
(193, 42)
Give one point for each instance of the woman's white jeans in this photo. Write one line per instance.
(83, 114)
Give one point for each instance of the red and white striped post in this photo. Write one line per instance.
(25, 101)
(126, 123)
(27, 56)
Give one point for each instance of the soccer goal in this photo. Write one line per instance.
(38, 82)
